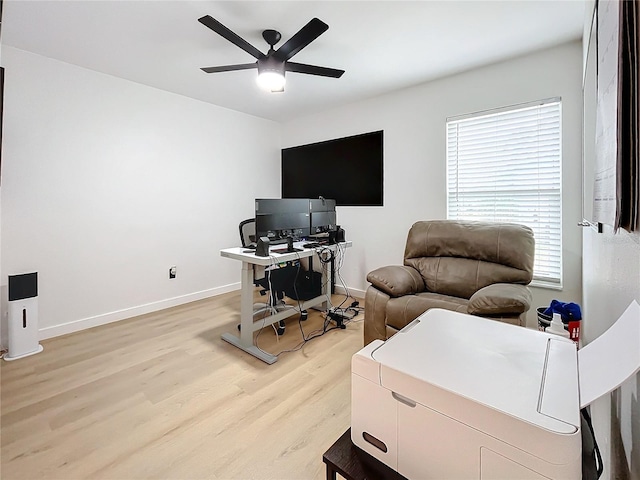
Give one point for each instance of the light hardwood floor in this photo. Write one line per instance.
(162, 396)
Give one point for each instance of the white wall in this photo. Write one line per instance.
(3, 299)
(107, 183)
(611, 280)
(413, 121)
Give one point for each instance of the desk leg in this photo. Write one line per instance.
(333, 275)
(245, 341)
(327, 282)
(246, 304)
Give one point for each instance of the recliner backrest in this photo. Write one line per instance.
(460, 257)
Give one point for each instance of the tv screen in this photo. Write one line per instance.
(348, 170)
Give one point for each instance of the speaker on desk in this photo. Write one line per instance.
(262, 249)
(339, 234)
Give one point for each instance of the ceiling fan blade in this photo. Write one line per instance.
(304, 37)
(230, 68)
(223, 31)
(313, 70)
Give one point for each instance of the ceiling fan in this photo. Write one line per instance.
(272, 66)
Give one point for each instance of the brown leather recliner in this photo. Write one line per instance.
(478, 268)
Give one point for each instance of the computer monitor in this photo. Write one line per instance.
(279, 218)
(323, 215)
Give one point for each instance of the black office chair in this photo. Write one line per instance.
(248, 232)
(275, 281)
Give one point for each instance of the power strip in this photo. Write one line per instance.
(338, 317)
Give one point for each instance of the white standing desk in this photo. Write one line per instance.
(250, 261)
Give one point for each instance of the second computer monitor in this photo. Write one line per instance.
(279, 218)
(323, 215)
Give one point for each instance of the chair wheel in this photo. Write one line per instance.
(303, 315)
(280, 331)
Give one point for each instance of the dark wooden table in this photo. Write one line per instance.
(350, 462)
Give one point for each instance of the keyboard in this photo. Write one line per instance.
(285, 250)
(313, 245)
(277, 241)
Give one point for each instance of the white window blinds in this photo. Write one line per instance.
(504, 166)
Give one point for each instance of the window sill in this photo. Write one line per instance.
(545, 285)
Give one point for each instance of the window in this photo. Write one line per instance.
(504, 166)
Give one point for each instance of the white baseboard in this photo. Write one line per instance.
(103, 319)
(354, 292)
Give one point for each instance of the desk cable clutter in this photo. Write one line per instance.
(341, 316)
(252, 264)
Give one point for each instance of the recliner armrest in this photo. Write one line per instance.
(397, 280)
(500, 298)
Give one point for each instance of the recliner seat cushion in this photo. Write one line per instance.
(403, 310)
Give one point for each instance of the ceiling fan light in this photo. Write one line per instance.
(271, 81)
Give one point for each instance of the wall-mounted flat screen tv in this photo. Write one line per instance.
(348, 170)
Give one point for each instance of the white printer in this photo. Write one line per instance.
(455, 396)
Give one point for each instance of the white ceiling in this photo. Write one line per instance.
(382, 45)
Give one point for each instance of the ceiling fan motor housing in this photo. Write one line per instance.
(271, 37)
(270, 64)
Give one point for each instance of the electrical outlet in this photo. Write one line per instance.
(172, 272)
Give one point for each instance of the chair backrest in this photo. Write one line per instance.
(248, 232)
(460, 257)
